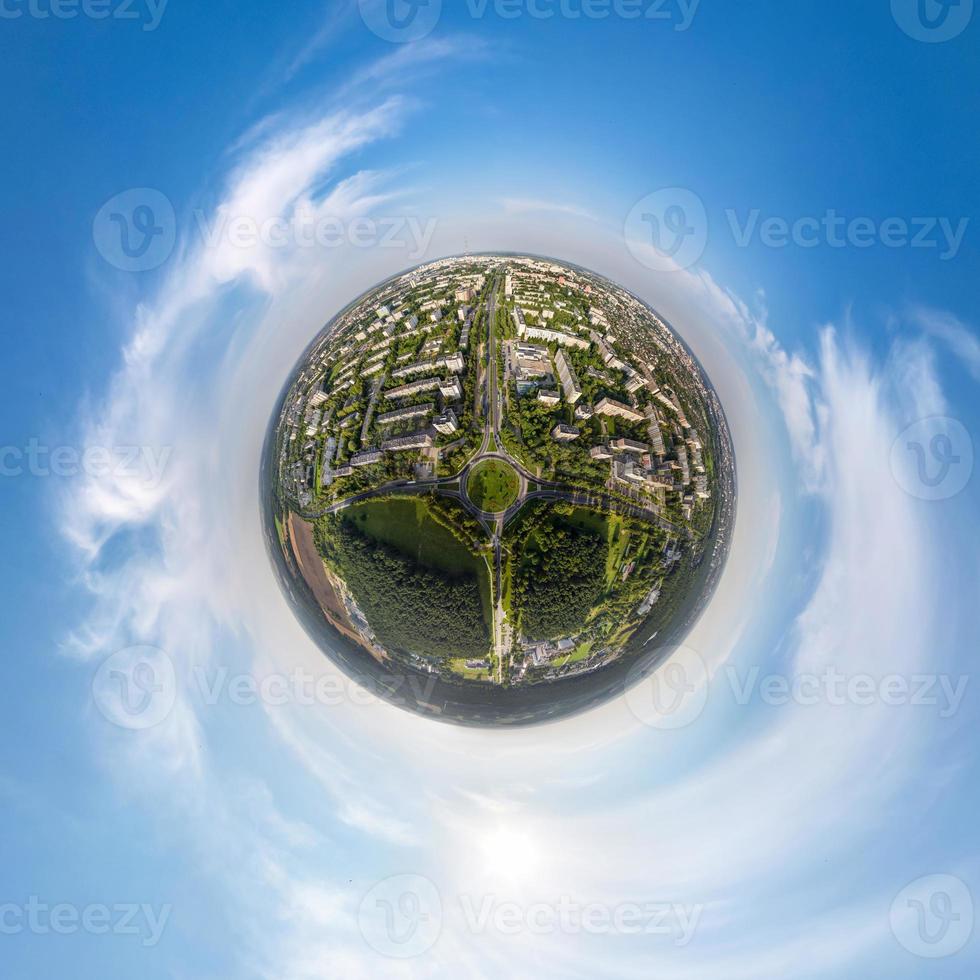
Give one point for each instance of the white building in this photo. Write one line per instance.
(451, 390)
(413, 388)
(447, 423)
(569, 382)
(417, 440)
(611, 407)
(629, 446)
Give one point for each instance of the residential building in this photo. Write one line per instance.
(635, 383)
(565, 433)
(630, 473)
(367, 458)
(683, 463)
(547, 397)
(413, 388)
(417, 440)
(451, 390)
(611, 407)
(452, 362)
(629, 446)
(569, 382)
(655, 435)
(447, 423)
(402, 414)
(550, 336)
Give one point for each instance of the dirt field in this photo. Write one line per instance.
(317, 578)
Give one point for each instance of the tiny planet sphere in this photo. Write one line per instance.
(498, 488)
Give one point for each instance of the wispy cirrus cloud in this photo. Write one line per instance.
(954, 333)
(520, 205)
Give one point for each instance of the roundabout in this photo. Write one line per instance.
(492, 485)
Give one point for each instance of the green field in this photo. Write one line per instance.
(611, 528)
(406, 524)
(493, 485)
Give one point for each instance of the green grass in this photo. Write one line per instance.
(581, 652)
(405, 524)
(493, 485)
(610, 528)
(458, 666)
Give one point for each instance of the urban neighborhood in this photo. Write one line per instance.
(509, 469)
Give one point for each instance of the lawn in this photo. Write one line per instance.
(405, 524)
(493, 485)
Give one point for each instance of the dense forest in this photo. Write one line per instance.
(556, 587)
(409, 607)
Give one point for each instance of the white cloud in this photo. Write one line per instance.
(520, 205)
(948, 328)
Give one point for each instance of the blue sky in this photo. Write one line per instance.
(251, 831)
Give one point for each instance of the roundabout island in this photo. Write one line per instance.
(495, 487)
